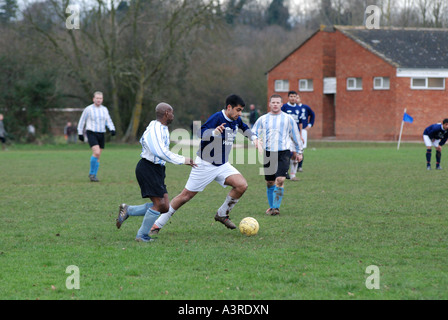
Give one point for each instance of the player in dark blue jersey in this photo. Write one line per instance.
(436, 136)
(306, 116)
(217, 137)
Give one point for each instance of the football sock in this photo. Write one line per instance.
(163, 219)
(438, 157)
(148, 221)
(428, 157)
(270, 194)
(93, 162)
(278, 196)
(97, 166)
(301, 162)
(227, 206)
(139, 210)
(293, 168)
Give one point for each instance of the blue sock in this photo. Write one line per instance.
(139, 210)
(278, 196)
(93, 165)
(97, 166)
(270, 194)
(148, 221)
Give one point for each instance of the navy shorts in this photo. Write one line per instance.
(276, 164)
(95, 138)
(151, 178)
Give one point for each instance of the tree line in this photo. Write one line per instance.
(189, 53)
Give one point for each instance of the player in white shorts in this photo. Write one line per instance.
(217, 137)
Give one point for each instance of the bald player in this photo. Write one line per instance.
(150, 172)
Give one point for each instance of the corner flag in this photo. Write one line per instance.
(406, 118)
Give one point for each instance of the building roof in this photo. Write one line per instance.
(404, 47)
(418, 48)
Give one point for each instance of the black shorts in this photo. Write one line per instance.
(95, 138)
(276, 164)
(2, 139)
(151, 178)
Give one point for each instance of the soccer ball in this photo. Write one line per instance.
(249, 226)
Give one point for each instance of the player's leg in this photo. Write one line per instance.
(124, 211)
(438, 157)
(305, 140)
(239, 186)
(270, 186)
(151, 215)
(283, 161)
(428, 144)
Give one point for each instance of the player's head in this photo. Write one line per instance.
(445, 124)
(234, 106)
(164, 113)
(275, 103)
(292, 95)
(97, 98)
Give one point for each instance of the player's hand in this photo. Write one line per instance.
(112, 133)
(81, 137)
(190, 162)
(220, 128)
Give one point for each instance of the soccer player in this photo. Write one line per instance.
(95, 118)
(217, 137)
(307, 117)
(277, 131)
(435, 136)
(150, 172)
(292, 109)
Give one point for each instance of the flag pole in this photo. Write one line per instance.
(401, 130)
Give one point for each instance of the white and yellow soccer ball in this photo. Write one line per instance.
(249, 226)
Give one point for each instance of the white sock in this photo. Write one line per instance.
(163, 218)
(227, 206)
(293, 168)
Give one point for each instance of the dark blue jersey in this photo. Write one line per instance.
(435, 131)
(293, 111)
(306, 115)
(216, 149)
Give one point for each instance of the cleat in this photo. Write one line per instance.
(274, 212)
(144, 239)
(294, 179)
(300, 170)
(154, 231)
(428, 167)
(268, 212)
(438, 168)
(225, 221)
(93, 178)
(122, 214)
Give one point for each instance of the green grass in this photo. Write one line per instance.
(356, 205)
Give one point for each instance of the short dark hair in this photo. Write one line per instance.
(276, 96)
(445, 120)
(235, 100)
(291, 92)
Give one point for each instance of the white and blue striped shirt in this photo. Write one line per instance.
(155, 143)
(95, 119)
(278, 131)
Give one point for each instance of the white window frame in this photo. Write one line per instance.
(308, 85)
(383, 86)
(426, 87)
(354, 88)
(281, 85)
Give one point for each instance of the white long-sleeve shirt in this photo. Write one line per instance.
(278, 132)
(155, 143)
(95, 119)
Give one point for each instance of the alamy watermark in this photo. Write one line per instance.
(72, 281)
(72, 21)
(372, 17)
(373, 280)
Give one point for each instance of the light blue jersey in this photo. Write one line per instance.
(95, 119)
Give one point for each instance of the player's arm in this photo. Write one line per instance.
(312, 116)
(81, 124)
(109, 123)
(211, 128)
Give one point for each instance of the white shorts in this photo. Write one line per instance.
(305, 137)
(430, 142)
(205, 173)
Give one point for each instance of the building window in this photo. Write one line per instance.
(381, 83)
(428, 83)
(354, 83)
(306, 85)
(281, 85)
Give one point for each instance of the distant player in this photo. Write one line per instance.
(217, 137)
(435, 136)
(291, 108)
(275, 132)
(307, 117)
(95, 118)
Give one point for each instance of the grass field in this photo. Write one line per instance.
(356, 205)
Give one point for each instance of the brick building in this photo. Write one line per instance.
(358, 81)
